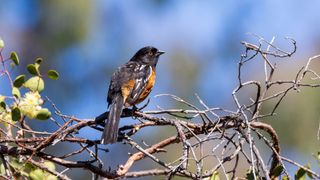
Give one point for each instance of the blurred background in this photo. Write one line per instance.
(87, 40)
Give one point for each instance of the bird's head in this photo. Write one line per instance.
(147, 55)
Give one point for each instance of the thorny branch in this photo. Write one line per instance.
(225, 138)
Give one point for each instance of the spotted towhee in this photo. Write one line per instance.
(130, 84)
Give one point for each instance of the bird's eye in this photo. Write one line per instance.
(150, 53)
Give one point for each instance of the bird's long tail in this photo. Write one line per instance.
(110, 133)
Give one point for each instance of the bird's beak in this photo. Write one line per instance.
(160, 52)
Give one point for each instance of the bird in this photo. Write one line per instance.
(130, 84)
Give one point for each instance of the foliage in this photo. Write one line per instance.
(24, 104)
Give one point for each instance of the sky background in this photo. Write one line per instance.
(87, 40)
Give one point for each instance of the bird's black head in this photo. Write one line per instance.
(147, 55)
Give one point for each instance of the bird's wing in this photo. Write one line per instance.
(141, 84)
(130, 80)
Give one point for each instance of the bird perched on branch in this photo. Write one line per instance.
(130, 84)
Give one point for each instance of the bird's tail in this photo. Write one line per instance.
(110, 133)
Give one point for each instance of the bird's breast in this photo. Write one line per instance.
(149, 86)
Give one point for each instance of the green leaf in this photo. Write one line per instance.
(1, 43)
(16, 92)
(18, 82)
(308, 173)
(16, 114)
(300, 174)
(215, 176)
(32, 69)
(52, 74)
(277, 170)
(37, 63)
(2, 98)
(35, 83)
(285, 178)
(43, 114)
(15, 164)
(38, 60)
(3, 104)
(37, 174)
(249, 175)
(29, 166)
(50, 165)
(14, 57)
(2, 169)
